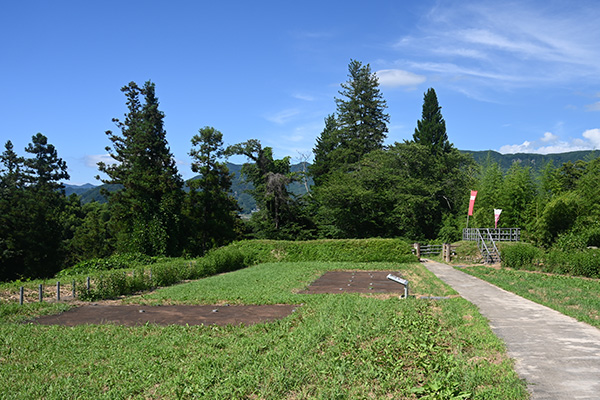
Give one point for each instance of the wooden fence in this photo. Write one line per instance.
(445, 250)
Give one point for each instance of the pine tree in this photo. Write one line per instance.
(45, 169)
(270, 178)
(210, 208)
(431, 128)
(146, 213)
(32, 240)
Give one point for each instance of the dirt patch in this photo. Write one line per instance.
(355, 282)
(133, 315)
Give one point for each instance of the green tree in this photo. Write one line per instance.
(45, 169)
(92, 237)
(518, 197)
(324, 150)
(393, 192)
(146, 212)
(489, 188)
(210, 209)
(362, 120)
(32, 211)
(359, 127)
(279, 215)
(431, 128)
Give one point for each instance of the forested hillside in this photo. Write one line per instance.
(536, 161)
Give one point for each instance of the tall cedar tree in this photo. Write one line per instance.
(327, 142)
(431, 128)
(360, 126)
(146, 213)
(210, 209)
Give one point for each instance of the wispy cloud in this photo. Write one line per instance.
(398, 77)
(551, 143)
(511, 44)
(302, 96)
(283, 116)
(593, 107)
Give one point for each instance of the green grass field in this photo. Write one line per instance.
(333, 347)
(573, 296)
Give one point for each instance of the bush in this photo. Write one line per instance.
(116, 261)
(578, 263)
(521, 256)
(357, 250)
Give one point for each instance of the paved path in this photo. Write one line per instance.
(558, 356)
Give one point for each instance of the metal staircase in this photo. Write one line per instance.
(486, 239)
(487, 247)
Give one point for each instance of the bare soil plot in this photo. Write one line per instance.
(375, 282)
(132, 315)
(355, 282)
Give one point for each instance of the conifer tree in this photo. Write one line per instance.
(359, 127)
(210, 208)
(146, 213)
(31, 211)
(431, 128)
(327, 142)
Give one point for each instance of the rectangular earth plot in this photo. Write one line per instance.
(355, 282)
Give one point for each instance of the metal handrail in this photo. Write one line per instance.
(493, 243)
(497, 234)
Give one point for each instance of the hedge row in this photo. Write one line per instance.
(577, 263)
(342, 250)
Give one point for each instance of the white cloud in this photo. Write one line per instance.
(551, 143)
(506, 45)
(398, 77)
(93, 160)
(549, 137)
(593, 107)
(305, 97)
(593, 135)
(282, 117)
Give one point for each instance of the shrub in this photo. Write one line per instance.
(357, 250)
(521, 256)
(116, 261)
(578, 263)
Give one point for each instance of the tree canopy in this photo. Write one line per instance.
(149, 205)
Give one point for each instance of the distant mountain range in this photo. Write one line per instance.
(239, 188)
(535, 161)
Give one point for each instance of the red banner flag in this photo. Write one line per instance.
(472, 201)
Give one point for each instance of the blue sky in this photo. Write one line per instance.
(519, 76)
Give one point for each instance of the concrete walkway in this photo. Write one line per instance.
(558, 356)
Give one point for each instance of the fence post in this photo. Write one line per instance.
(88, 283)
(446, 252)
(57, 291)
(21, 296)
(417, 247)
(41, 293)
(73, 288)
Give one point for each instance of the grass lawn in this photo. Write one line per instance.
(573, 296)
(334, 346)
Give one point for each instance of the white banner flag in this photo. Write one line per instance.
(497, 213)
